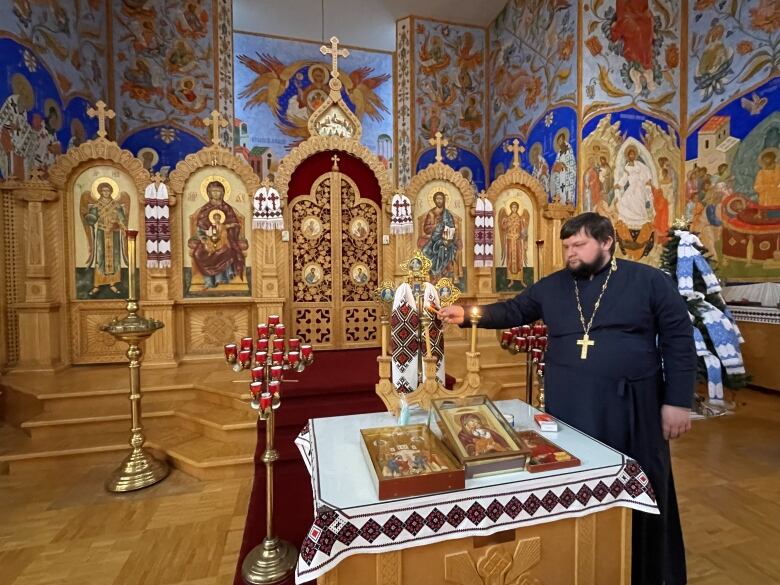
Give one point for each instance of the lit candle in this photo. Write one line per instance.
(245, 358)
(255, 389)
(280, 329)
(279, 344)
(294, 343)
(246, 343)
(257, 373)
(231, 352)
(276, 372)
(474, 321)
(262, 331)
(273, 320)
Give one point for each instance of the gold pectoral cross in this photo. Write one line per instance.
(585, 342)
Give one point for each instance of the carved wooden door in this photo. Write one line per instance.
(335, 264)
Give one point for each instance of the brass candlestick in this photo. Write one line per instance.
(140, 469)
(274, 559)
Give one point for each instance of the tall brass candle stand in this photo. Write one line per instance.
(140, 469)
(267, 357)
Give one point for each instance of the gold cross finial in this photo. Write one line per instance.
(102, 113)
(516, 151)
(438, 142)
(216, 121)
(335, 158)
(36, 174)
(335, 53)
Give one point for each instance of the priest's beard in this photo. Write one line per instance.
(588, 269)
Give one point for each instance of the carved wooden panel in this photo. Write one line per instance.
(312, 257)
(92, 345)
(208, 328)
(359, 246)
(360, 324)
(314, 324)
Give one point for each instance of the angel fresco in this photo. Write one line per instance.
(309, 81)
(104, 213)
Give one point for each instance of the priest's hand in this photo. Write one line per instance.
(676, 421)
(452, 314)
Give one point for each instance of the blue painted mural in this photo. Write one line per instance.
(464, 161)
(160, 148)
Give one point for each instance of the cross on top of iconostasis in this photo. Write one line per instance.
(101, 112)
(334, 53)
(516, 149)
(335, 158)
(215, 121)
(438, 142)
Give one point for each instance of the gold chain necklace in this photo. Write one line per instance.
(586, 342)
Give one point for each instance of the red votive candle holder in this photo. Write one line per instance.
(273, 320)
(525, 330)
(540, 368)
(276, 372)
(294, 343)
(293, 357)
(280, 329)
(306, 351)
(246, 343)
(262, 345)
(515, 330)
(536, 354)
(541, 342)
(262, 330)
(274, 386)
(257, 373)
(231, 352)
(277, 358)
(521, 343)
(506, 337)
(278, 344)
(266, 399)
(245, 357)
(539, 329)
(255, 389)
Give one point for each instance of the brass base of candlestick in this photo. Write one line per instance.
(271, 561)
(139, 470)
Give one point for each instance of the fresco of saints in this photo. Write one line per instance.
(217, 245)
(479, 439)
(632, 30)
(564, 171)
(440, 239)
(513, 228)
(634, 199)
(105, 220)
(541, 170)
(767, 183)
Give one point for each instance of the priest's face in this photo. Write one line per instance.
(584, 254)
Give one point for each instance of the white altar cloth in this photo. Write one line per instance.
(350, 519)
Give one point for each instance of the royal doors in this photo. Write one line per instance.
(335, 264)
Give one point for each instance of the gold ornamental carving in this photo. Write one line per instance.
(496, 566)
(315, 144)
(517, 178)
(558, 211)
(438, 171)
(102, 151)
(212, 156)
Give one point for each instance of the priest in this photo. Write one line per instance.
(620, 366)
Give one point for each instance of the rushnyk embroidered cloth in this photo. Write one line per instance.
(350, 519)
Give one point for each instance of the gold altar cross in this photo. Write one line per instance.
(216, 121)
(335, 53)
(516, 151)
(335, 158)
(438, 142)
(102, 113)
(585, 343)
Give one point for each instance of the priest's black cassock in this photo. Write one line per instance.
(616, 393)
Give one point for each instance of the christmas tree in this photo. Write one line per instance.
(716, 334)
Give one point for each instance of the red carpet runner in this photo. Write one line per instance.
(339, 383)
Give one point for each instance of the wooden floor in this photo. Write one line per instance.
(62, 528)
